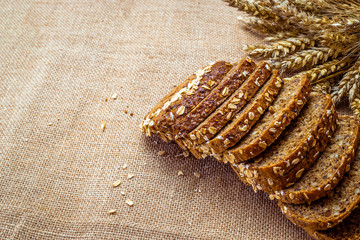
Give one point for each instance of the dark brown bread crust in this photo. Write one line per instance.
(273, 185)
(300, 196)
(349, 229)
(205, 82)
(230, 83)
(241, 123)
(292, 166)
(266, 179)
(147, 125)
(329, 211)
(223, 114)
(243, 152)
(270, 185)
(296, 173)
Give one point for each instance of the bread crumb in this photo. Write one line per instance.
(50, 124)
(131, 114)
(112, 211)
(196, 174)
(116, 183)
(186, 154)
(122, 193)
(130, 176)
(160, 153)
(129, 202)
(103, 125)
(114, 96)
(124, 166)
(180, 173)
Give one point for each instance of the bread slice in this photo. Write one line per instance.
(285, 161)
(241, 123)
(147, 125)
(330, 167)
(317, 118)
(198, 86)
(296, 173)
(285, 108)
(226, 111)
(230, 83)
(329, 211)
(246, 118)
(349, 229)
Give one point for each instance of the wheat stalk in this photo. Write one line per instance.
(347, 83)
(319, 37)
(281, 48)
(308, 58)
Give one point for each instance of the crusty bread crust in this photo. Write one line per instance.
(273, 185)
(243, 152)
(241, 123)
(230, 83)
(233, 105)
(349, 229)
(187, 98)
(296, 173)
(224, 113)
(147, 124)
(333, 209)
(315, 193)
(270, 179)
(291, 167)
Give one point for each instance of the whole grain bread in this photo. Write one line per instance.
(272, 169)
(329, 211)
(296, 173)
(182, 102)
(147, 125)
(260, 180)
(246, 118)
(230, 83)
(226, 111)
(349, 229)
(330, 167)
(284, 109)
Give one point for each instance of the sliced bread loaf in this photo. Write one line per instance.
(226, 111)
(296, 173)
(285, 162)
(349, 229)
(284, 109)
(329, 211)
(330, 167)
(231, 82)
(290, 150)
(147, 125)
(246, 118)
(183, 101)
(242, 122)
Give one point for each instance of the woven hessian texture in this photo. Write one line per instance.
(60, 61)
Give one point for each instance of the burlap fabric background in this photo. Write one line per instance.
(60, 61)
